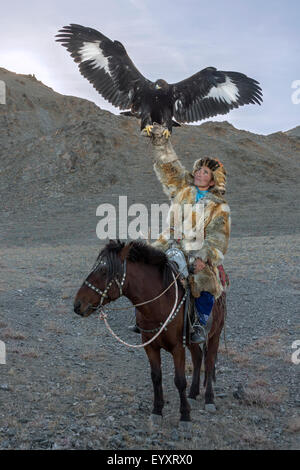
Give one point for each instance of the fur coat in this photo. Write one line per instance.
(178, 185)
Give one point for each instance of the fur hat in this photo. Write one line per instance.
(218, 171)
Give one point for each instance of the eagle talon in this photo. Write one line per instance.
(147, 130)
(166, 133)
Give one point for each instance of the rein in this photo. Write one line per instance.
(151, 300)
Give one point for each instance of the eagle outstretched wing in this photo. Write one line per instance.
(105, 63)
(107, 66)
(211, 92)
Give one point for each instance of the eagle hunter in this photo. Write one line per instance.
(107, 66)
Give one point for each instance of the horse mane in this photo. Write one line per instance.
(110, 253)
(142, 252)
(139, 252)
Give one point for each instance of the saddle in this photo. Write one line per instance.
(176, 256)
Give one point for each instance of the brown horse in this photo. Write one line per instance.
(141, 272)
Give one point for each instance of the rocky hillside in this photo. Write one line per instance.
(53, 146)
(295, 132)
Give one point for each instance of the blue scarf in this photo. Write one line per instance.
(200, 194)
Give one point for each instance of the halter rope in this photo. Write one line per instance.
(103, 316)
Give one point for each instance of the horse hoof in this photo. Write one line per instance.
(155, 420)
(185, 425)
(210, 407)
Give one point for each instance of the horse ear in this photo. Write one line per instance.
(124, 252)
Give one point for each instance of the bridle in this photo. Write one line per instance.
(104, 293)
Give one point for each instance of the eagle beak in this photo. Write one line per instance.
(157, 87)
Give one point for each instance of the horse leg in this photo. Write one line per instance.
(180, 382)
(156, 376)
(209, 359)
(211, 351)
(196, 354)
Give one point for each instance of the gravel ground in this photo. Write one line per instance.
(67, 384)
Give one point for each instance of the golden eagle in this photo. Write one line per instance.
(106, 64)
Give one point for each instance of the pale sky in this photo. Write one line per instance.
(169, 39)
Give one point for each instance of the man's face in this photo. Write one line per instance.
(203, 178)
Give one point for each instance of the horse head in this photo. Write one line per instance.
(105, 282)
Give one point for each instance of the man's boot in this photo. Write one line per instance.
(199, 335)
(203, 306)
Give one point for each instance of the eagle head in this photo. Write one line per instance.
(161, 85)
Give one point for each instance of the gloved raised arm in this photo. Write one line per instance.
(169, 170)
